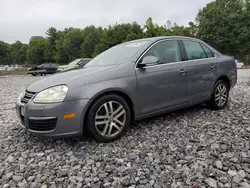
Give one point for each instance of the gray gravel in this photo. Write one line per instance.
(194, 147)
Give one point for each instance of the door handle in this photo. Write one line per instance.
(183, 71)
(213, 67)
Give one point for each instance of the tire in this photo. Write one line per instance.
(219, 101)
(103, 127)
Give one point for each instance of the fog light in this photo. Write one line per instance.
(68, 116)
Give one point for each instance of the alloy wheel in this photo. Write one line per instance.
(110, 119)
(221, 95)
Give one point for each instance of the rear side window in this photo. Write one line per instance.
(194, 50)
(208, 52)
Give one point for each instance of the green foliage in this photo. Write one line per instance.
(60, 54)
(35, 52)
(13, 72)
(225, 25)
(71, 43)
(4, 52)
(18, 52)
(92, 37)
(117, 34)
(50, 49)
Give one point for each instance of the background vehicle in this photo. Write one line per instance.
(2, 67)
(239, 65)
(128, 82)
(43, 69)
(78, 63)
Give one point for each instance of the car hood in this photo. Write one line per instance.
(72, 78)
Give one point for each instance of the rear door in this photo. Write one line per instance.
(164, 85)
(202, 69)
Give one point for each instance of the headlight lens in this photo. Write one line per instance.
(52, 95)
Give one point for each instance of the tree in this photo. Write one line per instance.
(4, 53)
(18, 52)
(50, 50)
(150, 29)
(72, 42)
(60, 55)
(105, 41)
(92, 37)
(225, 25)
(117, 34)
(193, 29)
(35, 52)
(135, 32)
(153, 30)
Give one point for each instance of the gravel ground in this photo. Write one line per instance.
(194, 147)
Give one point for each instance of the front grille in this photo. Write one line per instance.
(22, 120)
(42, 124)
(27, 96)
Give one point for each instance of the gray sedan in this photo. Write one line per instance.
(128, 82)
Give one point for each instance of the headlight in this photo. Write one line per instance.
(52, 95)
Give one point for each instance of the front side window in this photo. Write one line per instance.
(208, 52)
(166, 51)
(194, 50)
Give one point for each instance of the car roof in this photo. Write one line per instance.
(153, 39)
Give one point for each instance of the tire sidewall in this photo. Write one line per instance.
(92, 113)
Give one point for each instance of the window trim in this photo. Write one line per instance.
(180, 41)
(208, 49)
(152, 45)
(203, 50)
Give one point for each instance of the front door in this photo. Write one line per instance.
(164, 85)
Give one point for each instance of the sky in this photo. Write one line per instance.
(21, 19)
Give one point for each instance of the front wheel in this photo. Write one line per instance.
(219, 96)
(108, 118)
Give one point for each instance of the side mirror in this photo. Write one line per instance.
(148, 60)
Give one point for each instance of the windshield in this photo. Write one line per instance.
(118, 54)
(75, 62)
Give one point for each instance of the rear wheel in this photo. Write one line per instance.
(108, 118)
(219, 96)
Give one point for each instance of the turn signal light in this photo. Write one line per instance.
(68, 116)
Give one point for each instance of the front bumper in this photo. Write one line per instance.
(47, 119)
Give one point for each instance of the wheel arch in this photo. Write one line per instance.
(118, 92)
(225, 79)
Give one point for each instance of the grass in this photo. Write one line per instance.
(13, 72)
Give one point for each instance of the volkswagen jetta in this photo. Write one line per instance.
(128, 82)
